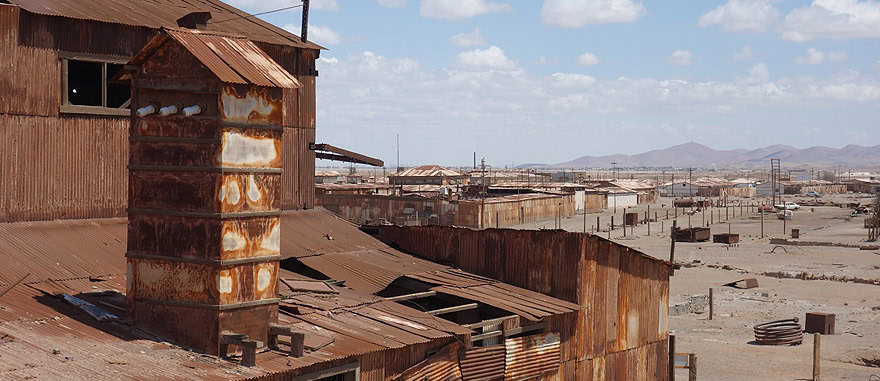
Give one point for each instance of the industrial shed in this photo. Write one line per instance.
(623, 294)
(64, 154)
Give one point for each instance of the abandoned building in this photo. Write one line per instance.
(158, 222)
(429, 175)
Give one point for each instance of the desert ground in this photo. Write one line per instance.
(824, 270)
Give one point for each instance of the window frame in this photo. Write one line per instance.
(68, 108)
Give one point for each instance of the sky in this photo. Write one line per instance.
(549, 81)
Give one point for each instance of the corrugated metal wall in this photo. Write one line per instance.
(56, 167)
(623, 294)
(362, 208)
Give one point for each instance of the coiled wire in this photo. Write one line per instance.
(779, 332)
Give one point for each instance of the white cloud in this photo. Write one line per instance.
(573, 80)
(815, 57)
(741, 15)
(839, 19)
(392, 3)
(588, 59)
(681, 57)
(745, 52)
(492, 58)
(514, 110)
(455, 10)
(319, 34)
(544, 60)
(262, 5)
(469, 40)
(579, 13)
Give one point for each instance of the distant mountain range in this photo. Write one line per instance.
(699, 156)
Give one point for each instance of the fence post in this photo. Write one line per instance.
(711, 304)
(671, 365)
(816, 356)
(692, 367)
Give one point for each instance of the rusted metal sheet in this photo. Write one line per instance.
(62, 249)
(233, 58)
(25, 93)
(61, 167)
(530, 356)
(163, 14)
(298, 191)
(485, 363)
(250, 105)
(442, 365)
(514, 210)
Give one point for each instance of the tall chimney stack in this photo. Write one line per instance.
(204, 191)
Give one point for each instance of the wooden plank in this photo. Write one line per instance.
(463, 307)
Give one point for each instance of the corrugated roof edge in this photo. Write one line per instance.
(295, 40)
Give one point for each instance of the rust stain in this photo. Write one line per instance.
(250, 104)
(253, 237)
(173, 281)
(241, 148)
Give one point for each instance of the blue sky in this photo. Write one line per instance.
(546, 82)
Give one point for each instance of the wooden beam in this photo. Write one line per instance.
(463, 307)
(416, 295)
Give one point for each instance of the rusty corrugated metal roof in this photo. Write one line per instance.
(530, 356)
(232, 58)
(164, 13)
(62, 249)
(428, 171)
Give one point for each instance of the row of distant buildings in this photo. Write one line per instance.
(432, 194)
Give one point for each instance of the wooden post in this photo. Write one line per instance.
(689, 221)
(711, 304)
(762, 220)
(662, 227)
(598, 226)
(671, 365)
(783, 221)
(648, 219)
(612, 227)
(667, 214)
(585, 218)
(816, 356)
(672, 246)
(692, 367)
(624, 222)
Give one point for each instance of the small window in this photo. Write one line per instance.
(87, 87)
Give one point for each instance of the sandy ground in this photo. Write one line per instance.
(793, 280)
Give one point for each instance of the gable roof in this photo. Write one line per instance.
(233, 59)
(164, 13)
(429, 171)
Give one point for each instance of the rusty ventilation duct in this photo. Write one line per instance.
(204, 192)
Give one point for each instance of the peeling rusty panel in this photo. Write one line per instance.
(177, 281)
(250, 237)
(178, 127)
(530, 356)
(598, 367)
(244, 148)
(257, 192)
(251, 104)
(265, 277)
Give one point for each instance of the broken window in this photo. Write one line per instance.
(87, 85)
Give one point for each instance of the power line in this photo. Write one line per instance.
(257, 14)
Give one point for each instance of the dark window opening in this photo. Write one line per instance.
(117, 94)
(87, 82)
(84, 83)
